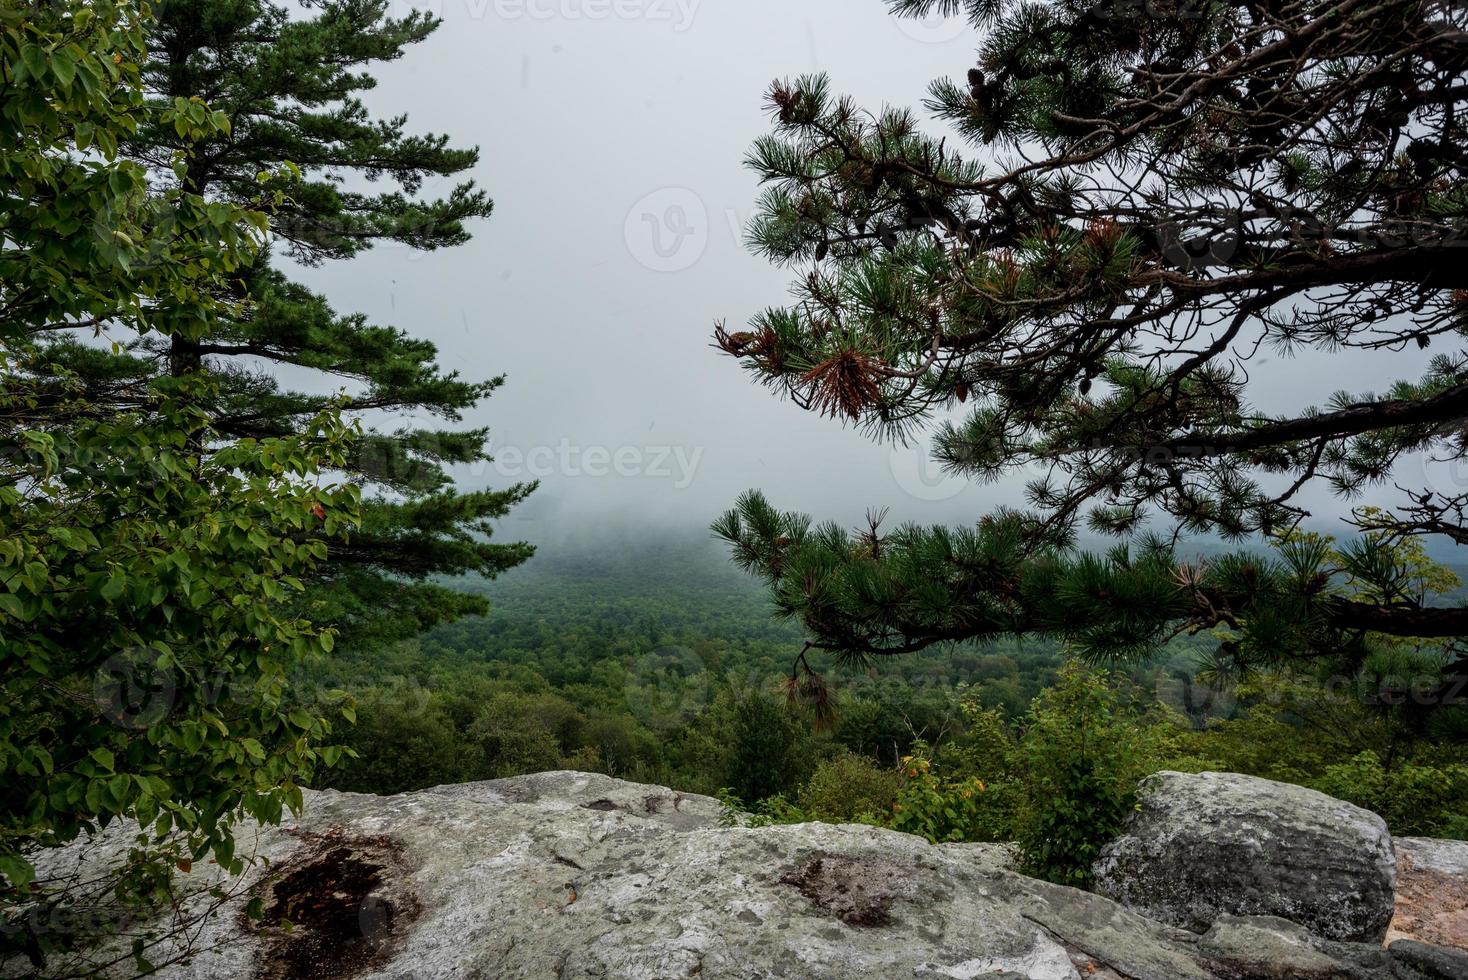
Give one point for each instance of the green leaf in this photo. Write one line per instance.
(17, 870)
(94, 796)
(64, 67)
(114, 586)
(11, 605)
(34, 59)
(119, 789)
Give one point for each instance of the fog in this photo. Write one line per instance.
(612, 135)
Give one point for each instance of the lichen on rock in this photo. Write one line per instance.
(1205, 845)
(563, 875)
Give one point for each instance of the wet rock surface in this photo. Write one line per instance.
(339, 907)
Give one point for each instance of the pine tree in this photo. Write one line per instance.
(1168, 191)
(290, 82)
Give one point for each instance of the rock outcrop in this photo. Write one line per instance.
(566, 875)
(1205, 845)
(1432, 892)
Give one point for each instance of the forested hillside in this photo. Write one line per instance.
(635, 652)
(656, 661)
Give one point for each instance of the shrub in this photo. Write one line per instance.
(943, 811)
(511, 745)
(403, 741)
(1415, 799)
(850, 788)
(988, 750)
(765, 742)
(1084, 748)
(773, 810)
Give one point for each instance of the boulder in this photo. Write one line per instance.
(1412, 960)
(1268, 947)
(564, 875)
(1432, 892)
(573, 875)
(1204, 845)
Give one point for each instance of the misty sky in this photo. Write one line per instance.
(612, 135)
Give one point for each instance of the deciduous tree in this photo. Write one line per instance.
(149, 562)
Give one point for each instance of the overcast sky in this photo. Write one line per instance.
(612, 135)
